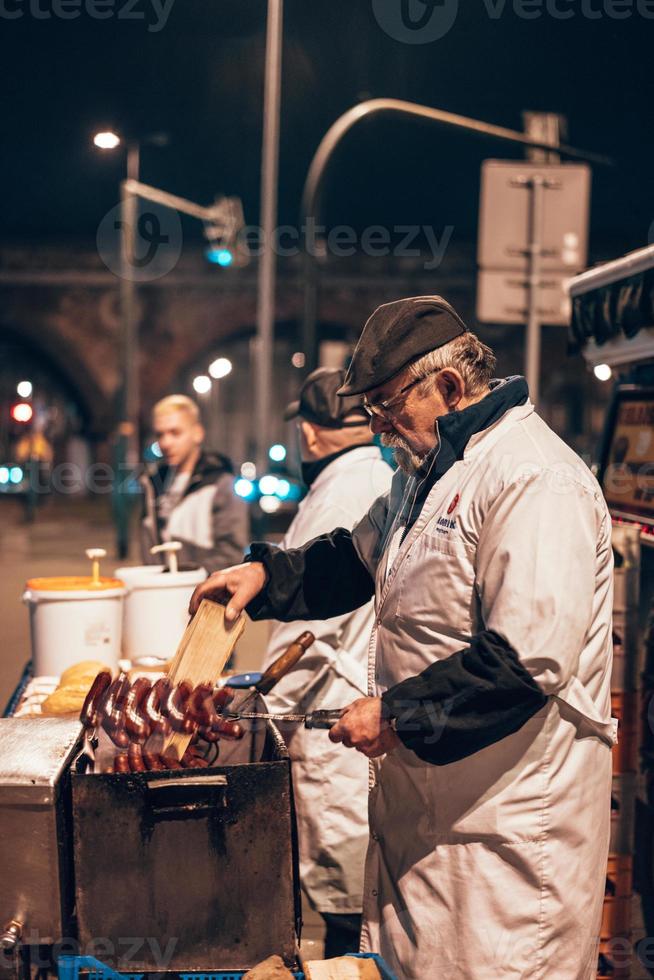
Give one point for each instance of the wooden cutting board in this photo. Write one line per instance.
(203, 651)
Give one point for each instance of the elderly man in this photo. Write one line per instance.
(488, 716)
(344, 472)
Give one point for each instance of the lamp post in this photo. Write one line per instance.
(127, 445)
(312, 192)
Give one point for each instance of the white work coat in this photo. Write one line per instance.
(494, 866)
(330, 784)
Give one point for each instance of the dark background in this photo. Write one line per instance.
(201, 80)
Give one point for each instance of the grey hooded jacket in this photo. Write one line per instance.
(210, 520)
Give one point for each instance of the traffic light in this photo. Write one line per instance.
(219, 255)
(222, 232)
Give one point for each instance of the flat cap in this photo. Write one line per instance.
(395, 335)
(319, 402)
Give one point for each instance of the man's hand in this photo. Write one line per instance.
(234, 588)
(363, 728)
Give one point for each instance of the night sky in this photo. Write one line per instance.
(200, 79)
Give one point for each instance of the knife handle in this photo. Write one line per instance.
(284, 663)
(325, 718)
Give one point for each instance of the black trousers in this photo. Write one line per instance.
(342, 935)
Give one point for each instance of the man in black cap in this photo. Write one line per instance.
(488, 710)
(345, 473)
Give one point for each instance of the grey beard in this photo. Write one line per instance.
(408, 461)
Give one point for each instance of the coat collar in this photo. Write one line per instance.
(458, 429)
(507, 411)
(206, 471)
(455, 434)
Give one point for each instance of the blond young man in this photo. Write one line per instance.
(189, 496)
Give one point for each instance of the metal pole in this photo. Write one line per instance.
(536, 185)
(167, 200)
(215, 420)
(128, 428)
(311, 196)
(309, 333)
(131, 319)
(267, 265)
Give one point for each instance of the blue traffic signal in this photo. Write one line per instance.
(219, 256)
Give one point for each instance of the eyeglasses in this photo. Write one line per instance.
(382, 409)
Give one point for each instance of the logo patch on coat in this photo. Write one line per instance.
(453, 505)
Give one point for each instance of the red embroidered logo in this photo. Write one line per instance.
(453, 504)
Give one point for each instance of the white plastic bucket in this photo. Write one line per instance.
(155, 613)
(68, 625)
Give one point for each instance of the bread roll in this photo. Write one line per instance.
(81, 673)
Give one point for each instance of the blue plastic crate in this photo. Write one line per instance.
(69, 968)
(383, 969)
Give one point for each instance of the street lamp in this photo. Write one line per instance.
(107, 140)
(220, 368)
(602, 372)
(202, 384)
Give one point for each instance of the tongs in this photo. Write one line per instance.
(322, 718)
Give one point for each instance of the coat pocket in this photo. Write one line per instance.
(436, 587)
(499, 794)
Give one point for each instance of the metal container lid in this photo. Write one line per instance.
(138, 577)
(70, 588)
(73, 583)
(33, 754)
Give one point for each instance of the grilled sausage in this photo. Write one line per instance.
(210, 735)
(174, 708)
(222, 696)
(170, 762)
(121, 763)
(199, 707)
(136, 725)
(152, 706)
(152, 761)
(135, 758)
(192, 761)
(113, 711)
(226, 728)
(90, 713)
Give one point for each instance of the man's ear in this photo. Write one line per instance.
(198, 434)
(451, 387)
(309, 433)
